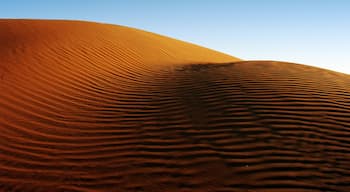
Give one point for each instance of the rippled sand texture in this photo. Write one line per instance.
(96, 107)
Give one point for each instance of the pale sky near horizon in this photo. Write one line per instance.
(312, 32)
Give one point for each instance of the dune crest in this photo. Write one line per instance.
(97, 107)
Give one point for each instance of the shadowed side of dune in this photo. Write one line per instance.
(85, 112)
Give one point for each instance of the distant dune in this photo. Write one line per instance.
(97, 107)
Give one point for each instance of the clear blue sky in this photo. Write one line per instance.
(313, 32)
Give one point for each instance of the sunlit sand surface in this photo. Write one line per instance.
(95, 107)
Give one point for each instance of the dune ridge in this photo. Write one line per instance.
(97, 107)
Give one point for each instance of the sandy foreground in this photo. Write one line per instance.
(97, 107)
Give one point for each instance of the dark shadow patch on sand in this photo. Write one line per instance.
(202, 67)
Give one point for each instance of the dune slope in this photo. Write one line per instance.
(97, 107)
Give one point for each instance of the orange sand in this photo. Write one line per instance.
(97, 107)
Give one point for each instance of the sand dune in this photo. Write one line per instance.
(97, 107)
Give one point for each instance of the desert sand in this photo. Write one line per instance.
(98, 107)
